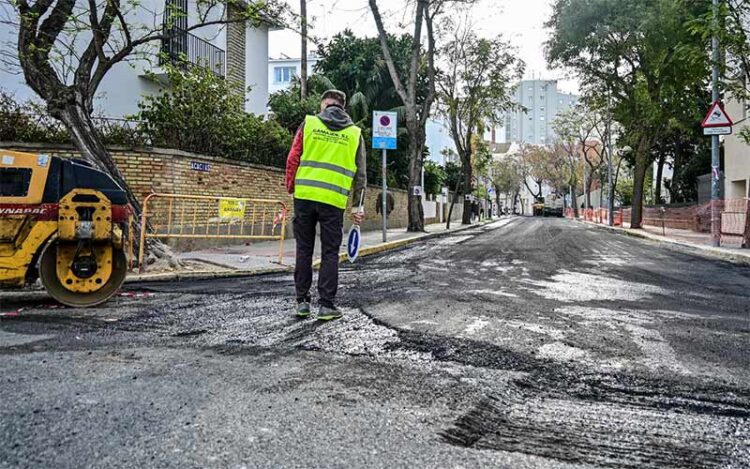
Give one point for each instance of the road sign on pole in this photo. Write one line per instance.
(384, 130)
(384, 137)
(717, 117)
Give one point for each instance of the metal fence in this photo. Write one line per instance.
(183, 48)
(174, 216)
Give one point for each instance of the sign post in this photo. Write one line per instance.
(384, 137)
(716, 119)
(716, 123)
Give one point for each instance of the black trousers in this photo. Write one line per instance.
(307, 215)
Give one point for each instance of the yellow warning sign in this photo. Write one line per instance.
(231, 208)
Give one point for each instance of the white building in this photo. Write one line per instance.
(281, 71)
(737, 153)
(539, 104)
(236, 51)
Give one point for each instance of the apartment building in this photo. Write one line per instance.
(539, 102)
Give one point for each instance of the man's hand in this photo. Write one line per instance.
(358, 216)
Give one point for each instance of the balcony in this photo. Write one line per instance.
(181, 47)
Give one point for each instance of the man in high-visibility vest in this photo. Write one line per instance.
(325, 165)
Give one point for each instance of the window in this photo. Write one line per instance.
(541, 118)
(14, 182)
(283, 74)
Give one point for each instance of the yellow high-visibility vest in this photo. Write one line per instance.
(328, 164)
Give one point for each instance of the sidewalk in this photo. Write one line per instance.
(683, 240)
(262, 257)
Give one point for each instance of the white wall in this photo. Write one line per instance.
(256, 70)
(736, 155)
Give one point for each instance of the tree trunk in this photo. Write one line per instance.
(574, 200)
(641, 166)
(83, 131)
(517, 200)
(303, 64)
(585, 188)
(453, 202)
(466, 218)
(415, 209)
(659, 175)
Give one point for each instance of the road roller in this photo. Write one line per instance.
(64, 222)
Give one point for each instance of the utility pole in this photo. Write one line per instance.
(303, 64)
(610, 176)
(715, 164)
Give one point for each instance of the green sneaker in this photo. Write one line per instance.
(329, 314)
(303, 310)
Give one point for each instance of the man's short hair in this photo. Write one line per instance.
(336, 95)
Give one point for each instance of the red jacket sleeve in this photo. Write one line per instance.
(292, 161)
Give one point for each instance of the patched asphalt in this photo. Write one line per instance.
(525, 343)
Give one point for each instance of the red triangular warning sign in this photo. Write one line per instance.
(717, 117)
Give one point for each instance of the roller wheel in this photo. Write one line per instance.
(48, 275)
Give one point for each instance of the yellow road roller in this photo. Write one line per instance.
(65, 222)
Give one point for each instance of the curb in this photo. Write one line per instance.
(205, 274)
(684, 247)
(391, 245)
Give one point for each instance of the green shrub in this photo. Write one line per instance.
(289, 110)
(203, 113)
(434, 178)
(27, 122)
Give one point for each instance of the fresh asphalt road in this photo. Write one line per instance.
(524, 343)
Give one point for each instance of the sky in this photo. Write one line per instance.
(519, 21)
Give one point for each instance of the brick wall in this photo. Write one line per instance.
(150, 170)
(687, 217)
